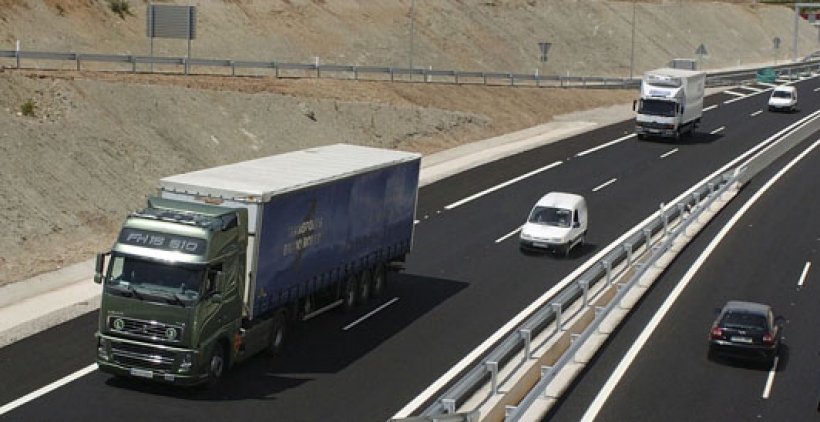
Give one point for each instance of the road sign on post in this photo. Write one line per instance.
(166, 21)
(545, 48)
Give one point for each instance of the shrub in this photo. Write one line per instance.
(120, 7)
(27, 108)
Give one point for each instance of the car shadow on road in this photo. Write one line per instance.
(782, 361)
(578, 252)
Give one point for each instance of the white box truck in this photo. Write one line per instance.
(671, 103)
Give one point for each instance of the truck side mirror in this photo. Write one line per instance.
(634, 104)
(99, 265)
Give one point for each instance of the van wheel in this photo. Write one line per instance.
(365, 284)
(379, 281)
(350, 294)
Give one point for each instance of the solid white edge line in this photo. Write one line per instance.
(623, 366)
(805, 273)
(47, 389)
(669, 153)
(601, 186)
(370, 314)
(508, 235)
(482, 348)
(770, 380)
(502, 185)
(602, 146)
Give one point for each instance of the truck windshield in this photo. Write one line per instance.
(548, 216)
(154, 280)
(657, 108)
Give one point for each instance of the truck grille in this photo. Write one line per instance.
(147, 330)
(139, 356)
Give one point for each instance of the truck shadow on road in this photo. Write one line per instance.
(321, 347)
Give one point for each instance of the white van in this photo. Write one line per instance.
(783, 97)
(557, 222)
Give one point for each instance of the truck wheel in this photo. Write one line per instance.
(350, 294)
(216, 365)
(278, 334)
(365, 284)
(379, 280)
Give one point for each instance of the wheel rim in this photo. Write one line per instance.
(217, 363)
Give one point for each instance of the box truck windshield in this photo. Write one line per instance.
(657, 108)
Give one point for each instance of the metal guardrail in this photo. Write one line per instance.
(684, 210)
(357, 72)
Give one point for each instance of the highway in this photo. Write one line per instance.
(770, 255)
(465, 279)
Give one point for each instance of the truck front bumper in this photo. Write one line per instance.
(664, 133)
(148, 361)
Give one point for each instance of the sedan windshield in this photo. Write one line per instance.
(142, 278)
(657, 108)
(549, 216)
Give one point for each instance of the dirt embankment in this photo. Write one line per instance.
(78, 150)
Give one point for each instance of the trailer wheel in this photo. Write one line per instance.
(278, 334)
(350, 294)
(379, 281)
(365, 285)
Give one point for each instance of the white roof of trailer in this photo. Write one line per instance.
(260, 179)
(673, 72)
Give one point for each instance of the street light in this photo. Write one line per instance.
(632, 53)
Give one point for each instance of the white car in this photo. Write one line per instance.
(783, 97)
(557, 222)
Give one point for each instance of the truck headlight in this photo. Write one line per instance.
(102, 348)
(186, 362)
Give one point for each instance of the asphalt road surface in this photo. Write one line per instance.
(465, 278)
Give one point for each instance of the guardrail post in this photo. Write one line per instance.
(392, 74)
(79, 59)
(598, 311)
(509, 410)
(512, 80)
(456, 75)
(585, 291)
(133, 64)
(276, 70)
(711, 189)
(628, 249)
(492, 367)
(681, 208)
(572, 338)
(527, 336)
(608, 268)
(559, 324)
(185, 63)
(648, 235)
(665, 219)
(619, 288)
(233, 68)
(449, 405)
(545, 370)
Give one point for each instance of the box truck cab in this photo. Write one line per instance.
(783, 97)
(558, 222)
(671, 103)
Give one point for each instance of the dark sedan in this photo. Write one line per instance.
(745, 330)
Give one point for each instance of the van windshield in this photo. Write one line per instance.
(781, 94)
(548, 216)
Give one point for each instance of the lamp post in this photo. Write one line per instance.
(412, 31)
(632, 52)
